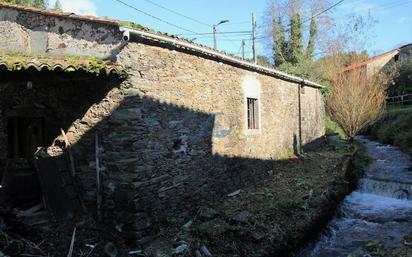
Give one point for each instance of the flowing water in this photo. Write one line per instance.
(380, 208)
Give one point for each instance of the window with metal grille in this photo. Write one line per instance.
(252, 113)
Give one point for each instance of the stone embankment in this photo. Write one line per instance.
(275, 217)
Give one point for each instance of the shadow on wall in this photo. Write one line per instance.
(158, 165)
(54, 99)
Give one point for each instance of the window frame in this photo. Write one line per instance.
(252, 108)
(252, 88)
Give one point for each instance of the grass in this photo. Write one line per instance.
(333, 128)
(284, 209)
(399, 109)
(133, 25)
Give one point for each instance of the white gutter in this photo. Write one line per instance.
(213, 53)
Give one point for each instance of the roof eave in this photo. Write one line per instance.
(219, 55)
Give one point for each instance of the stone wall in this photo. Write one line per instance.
(176, 138)
(58, 102)
(25, 31)
(376, 65)
(174, 133)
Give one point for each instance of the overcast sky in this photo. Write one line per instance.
(393, 28)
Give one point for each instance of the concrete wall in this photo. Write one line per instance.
(174, 133)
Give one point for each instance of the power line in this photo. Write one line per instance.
(177, 13)
(326, 10)
(154, 17)
(192, 33)
(379, 7)
(223, 32)
(288, 27)
(228, 37)
(232, 41)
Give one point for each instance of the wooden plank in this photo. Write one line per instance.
(70, 253)
(56, 200)
(98, 193)
(68, 147)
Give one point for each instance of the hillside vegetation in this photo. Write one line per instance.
(395, 128)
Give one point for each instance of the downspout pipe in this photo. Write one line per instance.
(216, 54)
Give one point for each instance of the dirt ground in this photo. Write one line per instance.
(288, 208)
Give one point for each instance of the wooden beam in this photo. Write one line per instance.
(68, 148)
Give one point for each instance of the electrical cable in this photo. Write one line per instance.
(155, 17)
(177, 13)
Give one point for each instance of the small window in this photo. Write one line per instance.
(302, 90)
(252, 113)
(396, 57)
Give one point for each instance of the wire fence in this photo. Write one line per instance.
(400, 100)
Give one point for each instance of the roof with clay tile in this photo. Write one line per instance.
(14, 61)
(377, 57)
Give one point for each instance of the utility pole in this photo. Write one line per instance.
(243, 49)
(254, 38)
(214, 37)
(214, 32)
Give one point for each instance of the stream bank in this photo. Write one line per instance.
(296, 199)
(394, 128)
(376, 219)
(290, 207)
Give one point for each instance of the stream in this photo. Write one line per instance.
(379, 209)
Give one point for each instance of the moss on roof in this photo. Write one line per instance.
(15, 61)
(133, 25)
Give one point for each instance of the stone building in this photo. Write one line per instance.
(177, 124)
(376, 63)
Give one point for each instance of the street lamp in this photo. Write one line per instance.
(214, 32)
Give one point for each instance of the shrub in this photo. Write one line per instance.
(395, 128)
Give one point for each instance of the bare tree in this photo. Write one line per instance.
(356, 100)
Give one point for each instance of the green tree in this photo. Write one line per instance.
(39, 3)
(313, 30)
(402, 83)
(279, 46)
(263, 60)
(57, 5)
(34, 3)
(295, 43)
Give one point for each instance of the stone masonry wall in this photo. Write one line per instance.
(174, 133)
(59, 103)
(23, 31)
